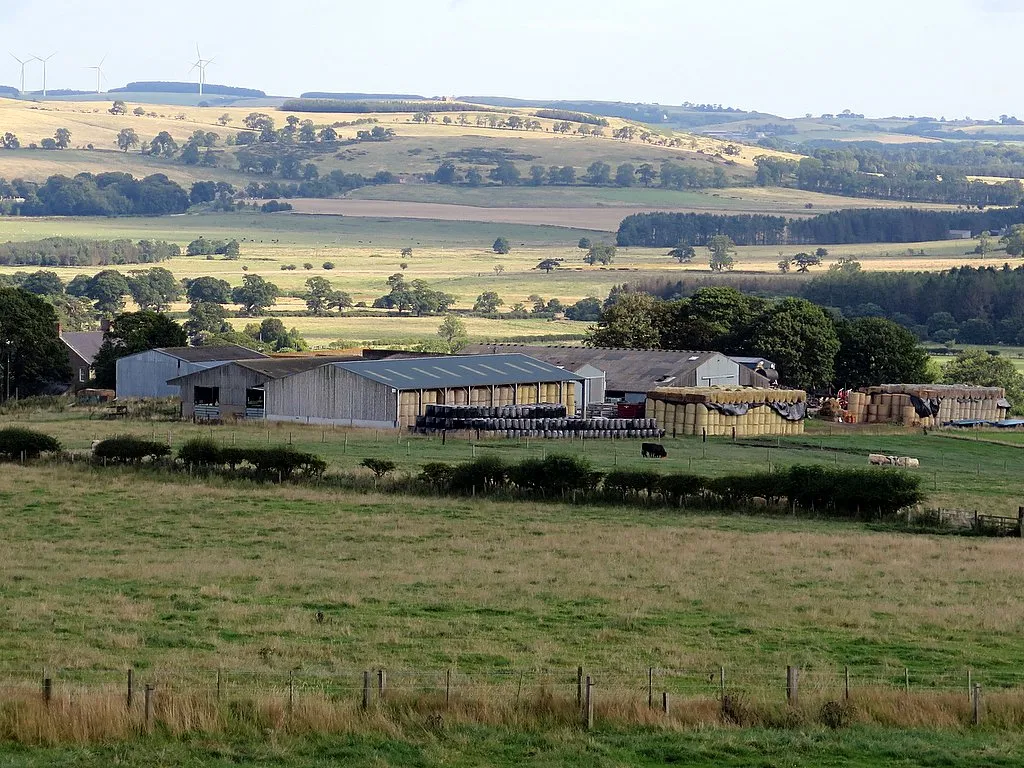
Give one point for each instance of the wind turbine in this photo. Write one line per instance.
(99, 73)
(23, 62)
(44, 60)
(201, 64)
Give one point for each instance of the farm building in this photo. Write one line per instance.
(743, 412)
(391, 393)
(237, 389)
(629, 374)
(82, 348)
(927, 404)
(146, 374)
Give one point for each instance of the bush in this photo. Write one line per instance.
(16, 441)
(859, 493)
(379, 467)
(200, 452)
(675, 488)
(283, 463)
(556, 474)
(623, 483)
(125, 449)
(437, 475)
(482, 474)
(743, 489)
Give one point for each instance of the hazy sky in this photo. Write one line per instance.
(937, 57)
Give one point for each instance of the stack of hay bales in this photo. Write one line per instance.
(690, 411)
(891, 404)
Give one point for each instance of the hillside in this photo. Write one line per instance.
(417, 147)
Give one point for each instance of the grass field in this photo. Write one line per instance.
(105, 569)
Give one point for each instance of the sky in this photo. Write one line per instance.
(943, 58)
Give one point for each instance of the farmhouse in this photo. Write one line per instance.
(629, 374)
(237, 389)
(146, 374)
(82, 348)
(391, 393)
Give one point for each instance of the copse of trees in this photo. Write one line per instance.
(79, 252)
(32, 357)
(414, 296)
(867, 225)
(104, 194)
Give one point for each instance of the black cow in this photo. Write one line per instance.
(652, 451)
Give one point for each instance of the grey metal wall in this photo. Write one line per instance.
(146, 373)
(331, 395)
(232, 380)
(719, 370)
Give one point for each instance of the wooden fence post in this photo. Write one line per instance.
(447, 687)
(128, 697)
(47, 690)
(664, 702)
(650, 687)
(846, 691)
(366, 689)
(721, 681)
(590, 704)
(970, 686)
(291, 693)
(792, 685)
(149, 706)
(906, 676)
(976, 704)
(382, 681)
(579, 686)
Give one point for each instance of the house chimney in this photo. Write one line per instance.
(105, 324)
(59, 329)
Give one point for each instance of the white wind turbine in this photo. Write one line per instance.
(44, 60)
(201, 64)
(99, 74)
(22, 62)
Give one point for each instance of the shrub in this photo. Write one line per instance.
(125, 449)
(379, 467)
(437, 475)
(861, 493)
(743, 489)
(555, 474)
(675, 488)
(484, 473)
(629, 482)
(282, 463)
(200, 452)
(16, 441)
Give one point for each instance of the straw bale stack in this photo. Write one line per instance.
(690, 411)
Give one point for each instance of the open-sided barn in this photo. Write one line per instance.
(391, 393)
(238, 389)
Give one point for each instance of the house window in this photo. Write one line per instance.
(206, 396)
(81, 375)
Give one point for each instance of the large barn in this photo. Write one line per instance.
(146, 374)
(629, 374)
(391, 393)
(238, 389)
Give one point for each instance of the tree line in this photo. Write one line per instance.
(80, 252)
(669, 175)
(867, 225)
(86, 194)
(858, 172)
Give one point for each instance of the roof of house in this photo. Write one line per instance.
(85, 344)
(458, 371)
(626, 370)
(223, 353)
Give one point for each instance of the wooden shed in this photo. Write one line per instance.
(147, 374)
(391, 393)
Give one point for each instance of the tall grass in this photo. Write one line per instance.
(97, 716)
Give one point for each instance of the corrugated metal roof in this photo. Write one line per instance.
(280, 367)
(216, 354)
(458, 371)
(85, 344)
(626, 370)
